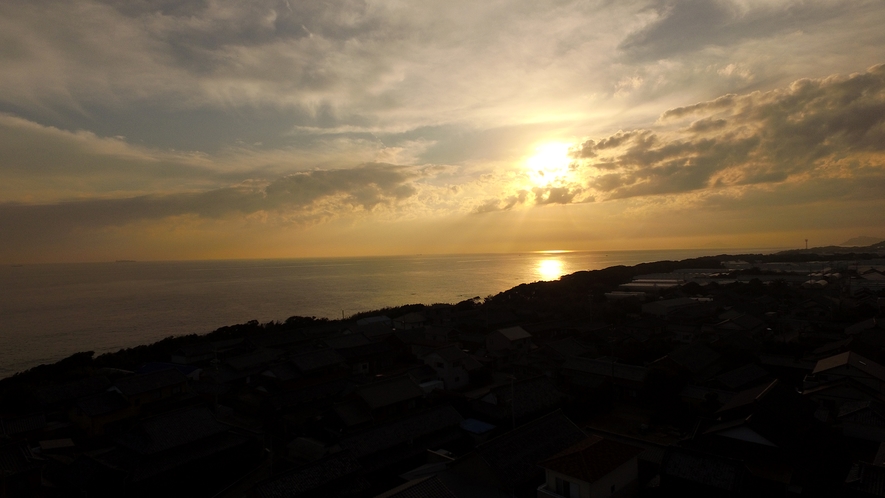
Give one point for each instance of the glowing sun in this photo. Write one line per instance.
(549, 164)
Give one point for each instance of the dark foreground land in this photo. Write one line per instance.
(742, 375)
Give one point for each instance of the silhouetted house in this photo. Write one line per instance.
(742, 377)
(207, 351)
(98, 413)
(509, 342)
(338, 474)
(865, 480)
(178, 451)
(523, 400)
(778, 444)
(439, 333)
(405, 438)
(831, 349)
(817, 308)
(685, 334)
(151, 387)
(431, 487)
(510, 462)
(686, 472)
(870, 324)
(319, 363)
(414, 320)
(369, 359)
(452, 366)
(565, 348)
(254, 362)
(628, 380)
(289, 409)
(847, 366)
(20, 472)
(379, 401)
(695, 360)
(391, 396)
(862, 420)
(593, 467)
(491, 318)
(666, 308)
(741, 323)
(374, 327)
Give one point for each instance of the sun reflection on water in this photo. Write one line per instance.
(549, 269)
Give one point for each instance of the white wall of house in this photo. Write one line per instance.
(609, 485)
(616, 480)
(453, 376)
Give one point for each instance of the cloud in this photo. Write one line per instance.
(301, 198)
(815, 128)
(685, 26)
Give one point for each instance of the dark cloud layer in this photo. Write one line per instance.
(833, 126)
(300, 197)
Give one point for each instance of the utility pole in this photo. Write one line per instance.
(806, 244)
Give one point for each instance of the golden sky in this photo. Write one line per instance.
(173, 129)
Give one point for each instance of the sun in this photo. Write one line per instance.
(549, 164)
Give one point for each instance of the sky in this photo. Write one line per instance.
(169, 130)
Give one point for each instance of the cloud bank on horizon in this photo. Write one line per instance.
(166, 129)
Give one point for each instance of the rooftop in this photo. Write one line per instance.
(592, 458)
(515, 333)
(850, 359)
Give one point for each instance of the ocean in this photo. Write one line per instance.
(50, 311)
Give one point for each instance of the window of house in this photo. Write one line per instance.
(567, 488)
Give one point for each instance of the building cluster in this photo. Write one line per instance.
(748, 380)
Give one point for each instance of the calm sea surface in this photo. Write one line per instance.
(50, 311)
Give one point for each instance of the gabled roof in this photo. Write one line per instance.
(514, 333)
(292, 482)
(390, 391)
(850, 359)
(255, 359)
(400, 431)
(741, 376)
(372, 320)
(694, 357)
(514, 456)
(606, 368)
(449, 353)
(346, 341)
(103, 403)
(172, 430)
(567, 347)
(425, 487)
(591, 459)
(138, 384)
(709, 470)
(533, 395)
(316, 359)
(748, 396)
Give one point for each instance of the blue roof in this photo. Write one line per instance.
(476, 426)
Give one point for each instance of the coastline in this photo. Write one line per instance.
(798, 255)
